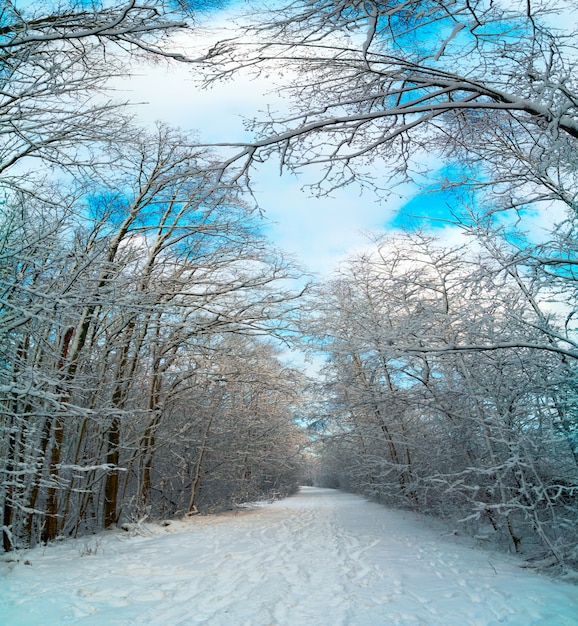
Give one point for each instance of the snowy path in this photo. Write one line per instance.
(320, 557)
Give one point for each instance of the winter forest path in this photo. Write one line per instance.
(320, 557)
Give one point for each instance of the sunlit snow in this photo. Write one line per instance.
(321, 557)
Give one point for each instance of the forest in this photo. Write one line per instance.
(144, 313)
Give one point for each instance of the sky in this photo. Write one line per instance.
(318, 232)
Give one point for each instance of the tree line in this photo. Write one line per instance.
(137, 297)
(443, 396)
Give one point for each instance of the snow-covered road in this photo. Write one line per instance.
(320, 557)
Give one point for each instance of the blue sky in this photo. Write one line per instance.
(319, 232)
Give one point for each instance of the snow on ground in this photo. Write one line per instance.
(320, 557)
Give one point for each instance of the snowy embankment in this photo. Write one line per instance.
(320, 557)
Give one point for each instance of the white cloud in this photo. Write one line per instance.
(173, 94)
(319, 232)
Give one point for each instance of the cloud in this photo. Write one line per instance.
(319, 232)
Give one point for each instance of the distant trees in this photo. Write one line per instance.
(230, 438)
(444, 399)
(136, 293)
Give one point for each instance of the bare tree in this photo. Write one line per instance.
(489, 85)
(487, 437)
(56, 64)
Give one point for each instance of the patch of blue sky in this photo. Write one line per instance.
(438, 207)
(49, 6)
(428, 34)
(509, 226)
(206, 7)
(112, 207)
(432, 208)
(106, 206)
(411, 33)
(457, 198)
(439, 204)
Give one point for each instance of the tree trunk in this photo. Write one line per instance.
(111, 485)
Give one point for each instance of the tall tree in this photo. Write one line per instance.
(420, 420)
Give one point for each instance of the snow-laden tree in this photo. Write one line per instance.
(56, 61)
(485, 436)
(114, 303)
(374, 87)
